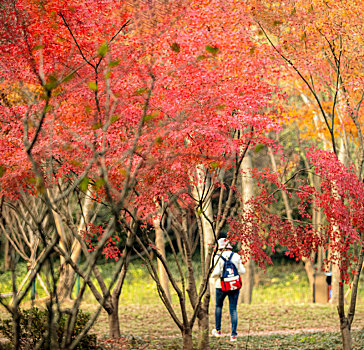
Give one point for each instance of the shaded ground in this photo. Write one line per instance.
(305, 327)
(302, 341)
(308, 326)
(144, 320)
(282, 316)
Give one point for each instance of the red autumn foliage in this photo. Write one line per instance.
(340, 196)
(93, 235)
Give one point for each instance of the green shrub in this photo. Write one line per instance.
(34, 325)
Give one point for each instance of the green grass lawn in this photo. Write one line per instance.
(283, 284)
(281, 316)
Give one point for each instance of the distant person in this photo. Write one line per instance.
(227, 265)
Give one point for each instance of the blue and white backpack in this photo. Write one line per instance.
(230, 279)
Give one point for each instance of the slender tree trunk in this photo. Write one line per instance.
(67, 273)
(114, 321)
(335, 281)
(16, 328)
(187, 338)
(247, 191)
(321, 250)
(7, 252)
(336, 275)
(203, 336)
(246, 293)
(64, 279)
(309, 270)
(320, 258)
(345, 326)
(346, 334)
(316, 221)
(65, 282)
(346, 321)
(284, 194)
(203, 323)
(159, 243)
(202, 192)
(113, 318)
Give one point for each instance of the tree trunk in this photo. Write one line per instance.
(310, 270)
(159, 243)
(113, 302)
(113, 317)
(247, 191)
(284, 194)
(66, 281)
(202, 192)
(203, 331)
(187, 339)
(246, 292)
(335, 281)
(16, 328)
(346, 334)
(336, 274)
(316, 222)
(346, 322)
(345, 326)
(7, 255)
(203, 323)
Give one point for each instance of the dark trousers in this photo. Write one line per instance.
(233, 296)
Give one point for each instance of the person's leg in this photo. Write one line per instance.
(233, 303)
(220, 296)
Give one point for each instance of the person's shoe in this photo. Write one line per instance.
(233, 338)
(216, 333)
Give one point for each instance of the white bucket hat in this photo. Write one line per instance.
(223, 243)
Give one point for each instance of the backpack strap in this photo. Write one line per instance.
(223, 258)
